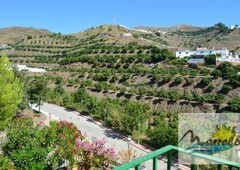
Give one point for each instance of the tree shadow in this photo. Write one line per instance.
(112, 134)
(160, 83)
(120, 94)
(173, 84)
(70, 109)
(157, 101)
(128, 96)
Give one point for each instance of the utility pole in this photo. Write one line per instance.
(105, 113)
(114, 18)
(138, 132)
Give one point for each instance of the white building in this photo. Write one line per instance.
(126, 34)
(199, 54)
(202, 51)
(234, 27)
(184, 53)
(30, 69)
(232, 58)
(123, 26)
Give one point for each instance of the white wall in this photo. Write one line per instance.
(182, 54)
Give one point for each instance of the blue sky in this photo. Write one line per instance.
(70, 16)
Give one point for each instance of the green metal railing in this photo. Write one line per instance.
(168, 150)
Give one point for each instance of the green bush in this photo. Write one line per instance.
(210, 60)
(178, 80)
(166, 78)
(226, 88)
(206, 81)
(234, 105)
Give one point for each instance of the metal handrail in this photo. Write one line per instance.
(168, 150)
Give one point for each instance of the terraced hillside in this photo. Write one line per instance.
(116, 66)
(123, 79)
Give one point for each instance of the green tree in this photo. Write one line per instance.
(37, 90)
(210, 59)
(221, 27)
(59, 89)
(206, 81)
(227, 70)
(59, 80)
(165, 131)
(234, 105)
(11, 92)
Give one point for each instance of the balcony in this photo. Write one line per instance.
(167, 150)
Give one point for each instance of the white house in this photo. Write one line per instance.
(202, 51)
(184, 53)
(205, 51)
(30, 69)
(199, 54)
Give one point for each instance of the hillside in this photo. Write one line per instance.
(190, 37)
(172, 28)
(125, 76)
(133, 66)
(14, 34)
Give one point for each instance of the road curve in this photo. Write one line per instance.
(94, 129)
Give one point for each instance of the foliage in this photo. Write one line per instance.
(59, 80)
(206, 81)
(43, 147)
(226, 88)
(227, 70)
(6, 163)
(178, 62)
(234, 105)
(37, 90)
(178, 80)
(161, 55)
(216, 73)
(165, 131)
(210, 59)
(221, 27)
(126, 155)
(11, 92)
(94, 154)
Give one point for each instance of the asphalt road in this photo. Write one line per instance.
(94, 129)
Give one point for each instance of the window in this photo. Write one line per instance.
(179, 52)
(186, 52)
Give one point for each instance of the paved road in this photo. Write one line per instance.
(94, 129)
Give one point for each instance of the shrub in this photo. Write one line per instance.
(206, 81)
(216, 73)
(210, 60)
(234, 105)
(178, 80)
(166, 78)
(226, 88)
